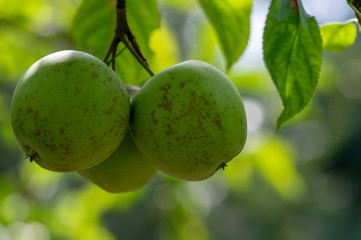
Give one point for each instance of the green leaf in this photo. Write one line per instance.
(292, 49)
(337, 37)
(93, 26)
(231, 20)
(93, 29)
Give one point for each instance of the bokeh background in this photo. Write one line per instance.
(302, 182)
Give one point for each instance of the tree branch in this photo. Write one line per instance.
(356, 6)
(123, 34)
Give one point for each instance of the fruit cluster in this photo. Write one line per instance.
(71, 112)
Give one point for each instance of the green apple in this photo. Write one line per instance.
(126, 169)
(69, 111)
(189, 120)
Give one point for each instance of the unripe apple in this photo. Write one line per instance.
(188, 120)
(69, 111)
(126, 169)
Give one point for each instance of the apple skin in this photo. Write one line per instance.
(124, 171)
(189, 120)
(69, 111)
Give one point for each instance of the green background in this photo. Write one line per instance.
(301, 182)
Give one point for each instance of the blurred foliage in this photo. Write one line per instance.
(301, 182)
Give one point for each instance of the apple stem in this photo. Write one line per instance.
(123, 34)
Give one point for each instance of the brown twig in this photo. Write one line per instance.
(123, 34)
(114, 56)
(356, 6)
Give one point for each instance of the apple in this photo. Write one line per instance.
(189, 120)
(69, 111)
(126, 169)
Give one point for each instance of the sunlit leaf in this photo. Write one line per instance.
(18, 11)
(337, 37)
(164, 46)
(292, 49)
(231, 20)
(93, 30)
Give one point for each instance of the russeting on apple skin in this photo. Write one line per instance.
(189, 120)
(69, 111)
